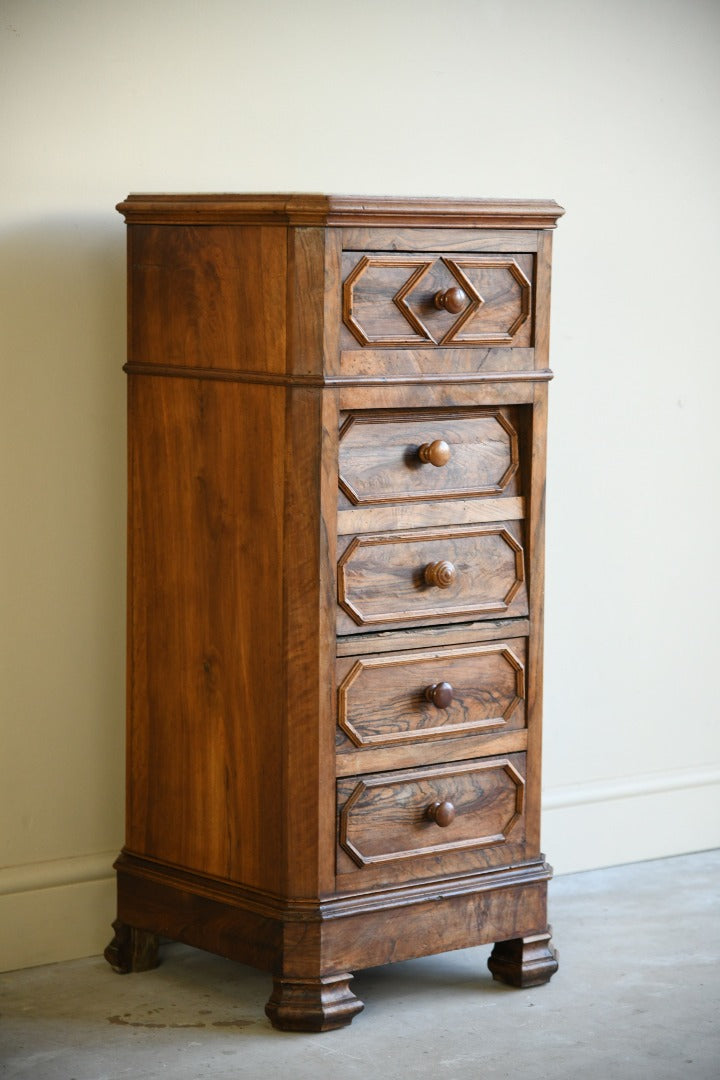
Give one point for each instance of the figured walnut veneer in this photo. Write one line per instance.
(473, 571)
(386, 817)
(381, 456)
(383, 700)
(336, 432)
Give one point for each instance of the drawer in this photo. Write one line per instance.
(428, 694)
(435, 454)
(387, 817)
(458, 572)
(435, 299)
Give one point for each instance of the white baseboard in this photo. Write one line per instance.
(50, 874)
(56, 910)
(609, 822)
(629, 787)
(44, 926)
(62, 910)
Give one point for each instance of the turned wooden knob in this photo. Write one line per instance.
(435, 453)
(442, 813)
(452, 300)
(440, 694)
(442, 574)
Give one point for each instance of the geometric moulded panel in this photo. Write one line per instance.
(389, 299)
(379, 455)
(387, 816)
(388, 577)
(384, 700)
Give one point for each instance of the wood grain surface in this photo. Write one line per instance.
(205, 640)
(197, 299)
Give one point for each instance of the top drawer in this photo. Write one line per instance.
(434, 299)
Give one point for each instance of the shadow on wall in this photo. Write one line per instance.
(62, 443)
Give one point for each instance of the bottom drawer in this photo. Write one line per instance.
(438, 812)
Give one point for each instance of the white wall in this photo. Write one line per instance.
(609, 107)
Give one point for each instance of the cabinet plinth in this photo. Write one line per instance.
(336, 429)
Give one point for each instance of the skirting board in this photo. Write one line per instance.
(56, 910)
(62, 910)
(606, 823)
(45, 926)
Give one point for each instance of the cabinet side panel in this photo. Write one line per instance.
(206, 672)
(209, 296)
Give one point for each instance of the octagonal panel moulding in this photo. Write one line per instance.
(381, 577)
(384, 817)
(379, 455)
(382, 700)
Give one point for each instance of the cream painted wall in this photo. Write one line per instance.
(612, 109)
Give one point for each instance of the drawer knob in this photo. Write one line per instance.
(434, 453)
(442, 574)
(442, 813)
(440, 694)
(452, 300)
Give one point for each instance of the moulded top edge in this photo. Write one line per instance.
(339, 210)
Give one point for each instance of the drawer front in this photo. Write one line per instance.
(434, 299)
(414, 697)
(397, 457)
(468, 572)
(386, 817)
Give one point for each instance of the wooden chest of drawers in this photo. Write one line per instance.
(337, 417)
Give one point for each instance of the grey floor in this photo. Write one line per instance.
(637, 996)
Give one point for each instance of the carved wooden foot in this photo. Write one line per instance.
(528, 961)
(312, 1004)
(132, 949)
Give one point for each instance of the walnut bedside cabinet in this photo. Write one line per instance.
(337, 419)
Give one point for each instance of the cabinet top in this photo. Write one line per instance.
(299, 209)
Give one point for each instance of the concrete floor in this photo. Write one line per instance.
(637, 997)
